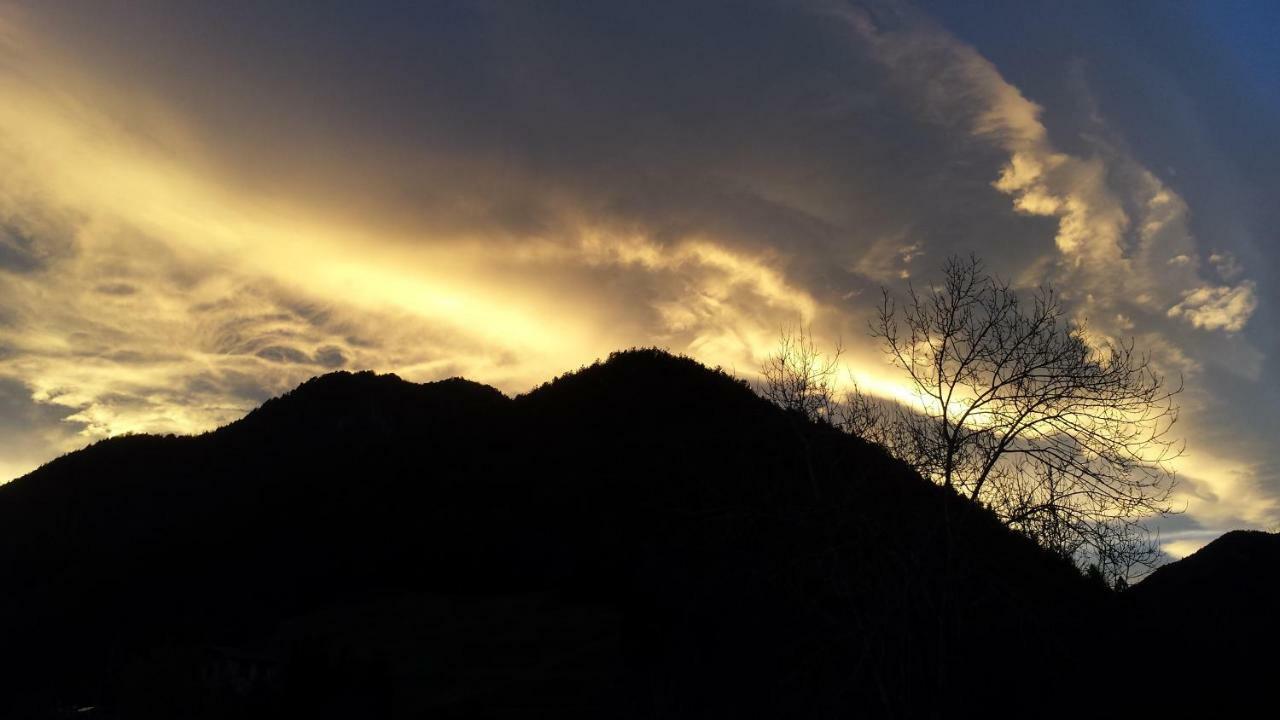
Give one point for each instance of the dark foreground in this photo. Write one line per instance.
(643, 538)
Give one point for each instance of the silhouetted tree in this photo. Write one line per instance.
(800, 378)
(1064, 435)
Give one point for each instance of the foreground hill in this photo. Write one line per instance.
(642, 538)
(1218, 611)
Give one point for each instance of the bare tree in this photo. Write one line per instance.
(865, 416)
(800, 378)
(1065, 437)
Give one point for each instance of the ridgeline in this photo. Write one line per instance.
(642, 538)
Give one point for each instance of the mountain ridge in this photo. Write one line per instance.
(661, 539)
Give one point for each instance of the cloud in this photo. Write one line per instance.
(284, 354)
(1228, 267)
(29, 244)
(889, 258)
(1123, 241)
(330, 356)
(30, 431)
(1218, 308)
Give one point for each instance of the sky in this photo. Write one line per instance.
(204, 204)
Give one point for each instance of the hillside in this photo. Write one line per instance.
(1235, 561)
(1218, 610)
(644, 537)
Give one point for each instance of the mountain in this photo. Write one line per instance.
(644, 537)
(1236, 565)
(1219, 610)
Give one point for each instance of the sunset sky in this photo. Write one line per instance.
(204, 204)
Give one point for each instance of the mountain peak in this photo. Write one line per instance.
(341, 400)
(1239, 557)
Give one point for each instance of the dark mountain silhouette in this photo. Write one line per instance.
(1239, 564)
(641, 538)
(1218, 611)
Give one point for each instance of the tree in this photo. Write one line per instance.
(1063, 435)
(798, 377)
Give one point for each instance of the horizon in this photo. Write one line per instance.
(202, 207)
